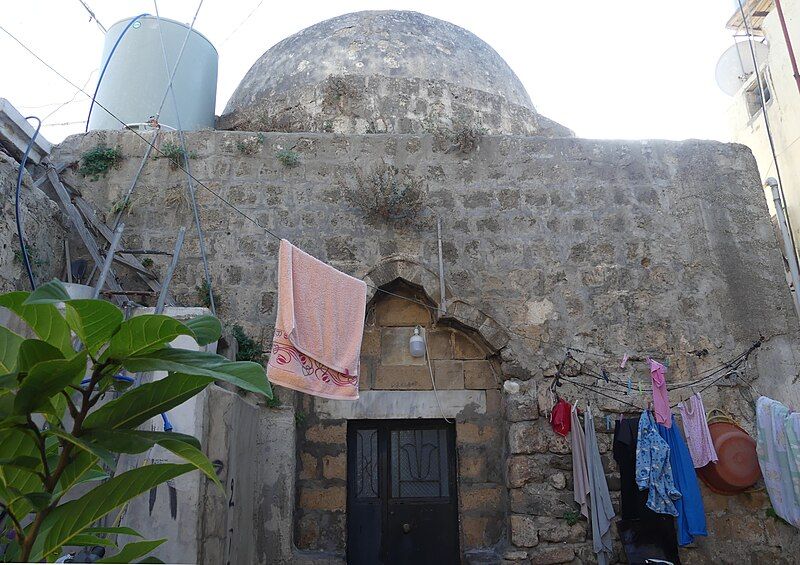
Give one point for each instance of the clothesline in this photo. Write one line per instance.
(708, 381)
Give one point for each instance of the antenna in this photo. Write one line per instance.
(735, 66)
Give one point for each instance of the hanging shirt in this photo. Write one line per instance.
(560, 418)
(602, 509)
(691, 513)
(695, 427)
(580, 477)
(653, 471)
(660, 394)
(793, 450)
(773, 458)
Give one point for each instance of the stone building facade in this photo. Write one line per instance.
(549, 242)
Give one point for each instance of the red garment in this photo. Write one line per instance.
(560, 418)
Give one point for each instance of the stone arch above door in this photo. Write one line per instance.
(400, 267)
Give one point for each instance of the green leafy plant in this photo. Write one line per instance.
(572, 517)
(120, 205)
(288, 158)
(248, 348)
(147, 262)
(204, 294)
(388, 193)
(55, 434)
(175, 155)
(98, 161)
(250, 145)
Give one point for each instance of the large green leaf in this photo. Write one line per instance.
(47, 379)
(140, 404)
(71, 518)
(14, 444)
(85, 539)
(52, 292)
(44, 319)
(9, 349)
(244, 374)
(119, 531)
(82, 469)
(137, 441)
(132, 551)
(144, 333)
(33, 351)
(206, 329)
(94, 321)
(100, 452)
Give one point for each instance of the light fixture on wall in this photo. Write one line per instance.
(417, 343)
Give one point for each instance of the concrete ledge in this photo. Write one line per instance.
(391, 404)
(16, 133)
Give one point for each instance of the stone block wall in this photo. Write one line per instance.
(44, 228)
(653, 247)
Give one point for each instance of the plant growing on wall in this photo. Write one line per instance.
(205, 292)
(288, 158)
(98, 161)
(248, 349)
(175, 155)
(55, 434)
(250, 145)
(388, 193)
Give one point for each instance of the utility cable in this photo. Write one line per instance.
(255, 222)
(244, 21)
(22, 245)
(182, 138)
(93, 17)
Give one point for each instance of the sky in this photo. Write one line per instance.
(612, 69)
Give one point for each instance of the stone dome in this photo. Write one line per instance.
(381, 71)
(390, 43)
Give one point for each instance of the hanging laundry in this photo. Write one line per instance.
(580, 478)
(793, 448)
(695, 428)
(560, 417)
(644, 534)
(653, 470)
(600, 500)
(691, 513)
(773, 457)
(660, 395)
(319, 327)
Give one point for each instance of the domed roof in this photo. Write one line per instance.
(397, 44)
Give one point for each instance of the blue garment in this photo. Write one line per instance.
(691, 513)
(653, 471)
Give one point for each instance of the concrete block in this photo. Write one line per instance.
(479, 375)
(332, 498)
(448, 375)
(402, 377)
(393, 311)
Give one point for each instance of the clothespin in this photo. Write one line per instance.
(605, 374)
(624, 361)
(641, 393)
(630, 386)
(608, 422)
(666, 362)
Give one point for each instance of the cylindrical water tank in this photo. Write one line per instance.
(135, 80)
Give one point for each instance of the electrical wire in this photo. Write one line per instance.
(23, 246)
(473, 323)
(93, 17)
(433, 381)
(244, 21)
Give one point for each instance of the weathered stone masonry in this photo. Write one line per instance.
(658, 247)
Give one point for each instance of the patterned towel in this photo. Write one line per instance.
(318, 331)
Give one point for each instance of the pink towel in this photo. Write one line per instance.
(319, 327)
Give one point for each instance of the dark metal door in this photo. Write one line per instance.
(401, 493)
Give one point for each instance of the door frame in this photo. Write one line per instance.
(384, 429)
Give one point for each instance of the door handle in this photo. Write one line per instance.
(406, 528)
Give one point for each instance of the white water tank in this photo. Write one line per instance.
(135, 79)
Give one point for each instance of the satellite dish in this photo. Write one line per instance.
(735, 66)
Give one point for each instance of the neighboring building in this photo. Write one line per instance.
(651, 247)
(781, 95)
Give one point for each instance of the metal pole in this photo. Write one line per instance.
(101, 280)
(785, 29)
(68, 258)
(791, 257)
(162, 297)
(442, 298)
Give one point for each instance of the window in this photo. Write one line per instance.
(752, 96)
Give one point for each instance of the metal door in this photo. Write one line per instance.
(401, 493)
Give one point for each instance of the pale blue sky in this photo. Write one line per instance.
(606, 69)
